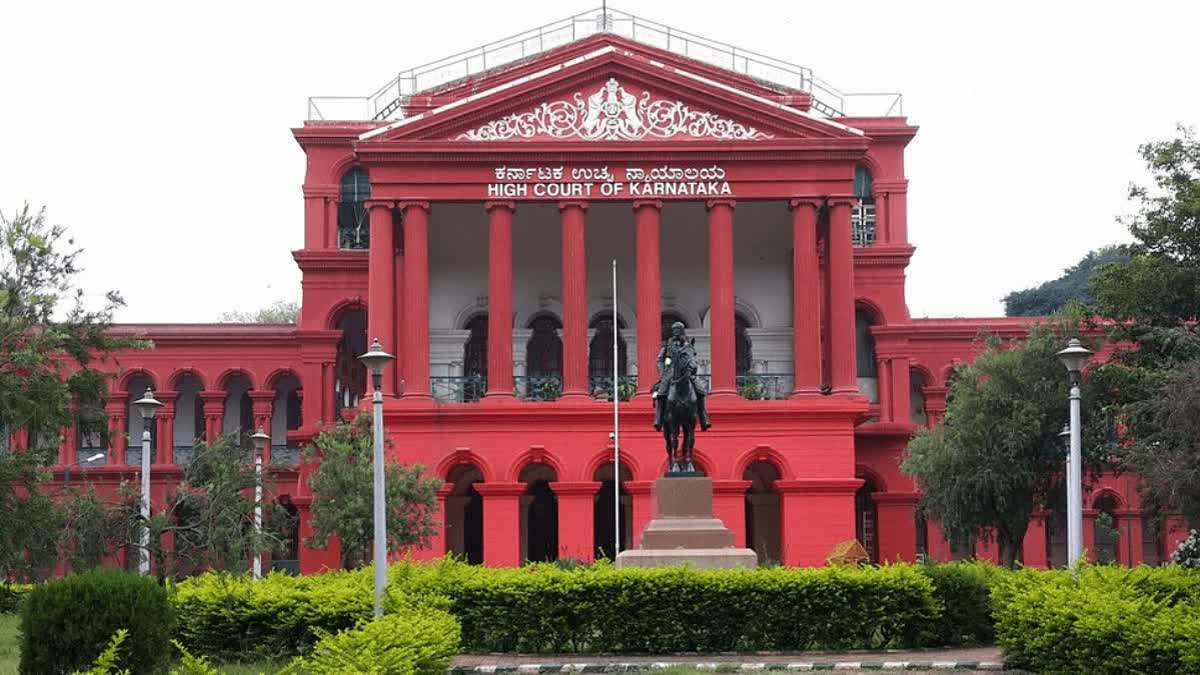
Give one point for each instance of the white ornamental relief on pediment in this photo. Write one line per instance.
(613, 114)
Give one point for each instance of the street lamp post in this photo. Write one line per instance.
(260, 444)
(1073, 358)
(147, 405)
(67, 469)
(376, 360)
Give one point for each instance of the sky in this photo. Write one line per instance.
(159, 133)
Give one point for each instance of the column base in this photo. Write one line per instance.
(805, 393)
(723, 394)
(498, 397)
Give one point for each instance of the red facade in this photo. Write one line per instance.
(603, 148)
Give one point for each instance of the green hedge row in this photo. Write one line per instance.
(963, 590)
(11, 596)
(598, 609)
(1112, 620)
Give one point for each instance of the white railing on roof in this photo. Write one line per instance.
(386, 103)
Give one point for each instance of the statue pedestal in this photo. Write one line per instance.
(684, 531)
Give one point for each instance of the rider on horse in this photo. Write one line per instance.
(678, 340)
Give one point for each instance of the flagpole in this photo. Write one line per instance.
(616, 398)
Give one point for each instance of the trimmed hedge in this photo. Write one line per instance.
(11, 596)
(67, 622)
(1111, 620)
(544, 609)
(963, 590)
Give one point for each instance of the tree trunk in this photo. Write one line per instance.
(1010, 545)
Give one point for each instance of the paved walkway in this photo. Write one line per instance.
(941, 660)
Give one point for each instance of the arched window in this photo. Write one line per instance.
(133, 422)
(475, 358)
(669, 318)
(763, 521)
(543, 352)
(862, 219)
(353, 227)
(1107, 536)
(864, 345)
(350, 375)
(742, 345)
(866, 519)
(543, 360)
(916, 395)
(600, 350)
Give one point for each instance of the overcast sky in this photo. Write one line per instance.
(160, 135)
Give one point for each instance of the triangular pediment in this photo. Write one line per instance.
(612, 95)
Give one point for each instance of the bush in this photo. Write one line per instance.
(417, 641)
(11, 596)
(66, 623)
(963, 590)
(236, 617)
(1111, 620)
(1187, 553)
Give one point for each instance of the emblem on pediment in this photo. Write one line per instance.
(613, 114)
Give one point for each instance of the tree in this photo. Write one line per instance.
(208, 520)
(92, 530)
(281, 311)
(997, 457)
(1053, 296)
(50, 343)
(343, 494)
(1153, 301)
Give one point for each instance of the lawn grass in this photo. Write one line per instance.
(10, 650)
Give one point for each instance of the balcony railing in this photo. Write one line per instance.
(602, 388)
(285, 455)
(183, 454)
(765, 386)
(458, 388)
(537, 387)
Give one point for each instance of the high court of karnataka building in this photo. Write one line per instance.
(467, 214)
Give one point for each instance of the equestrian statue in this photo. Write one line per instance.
(679, 399)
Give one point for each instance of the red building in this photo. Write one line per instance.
(467, 214)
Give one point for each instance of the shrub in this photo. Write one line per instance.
(1109, 621)
(11, 596)
(65, 623)
(419, 641)
(963, 590)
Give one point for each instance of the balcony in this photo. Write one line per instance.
(602, 387)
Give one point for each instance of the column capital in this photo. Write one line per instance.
(212, 397)
(499, 204)
(500, 489)
(445, 491)
(583, 488)
(712, 203)
(647, 203)
(572, 203)
(415, 204)
(328, 191)
(842, 200)
(257, 395)
(797, 202)
(372, 204)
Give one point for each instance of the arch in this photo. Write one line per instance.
(534, 455)
(924, 371)
(690, 318)
(871, 163)
(278, 373)
(1102, 492)
(948, 371)
(177, 376)
(740, 306)
(605, 456)
(340, 308)
(874, 480)
(546, 305)
(229, 373)
(133, 374)
(340, 167)
(762, 453)
(705, 462)
(469, 311)
(626, 314)
(872, 309)
(464, 456)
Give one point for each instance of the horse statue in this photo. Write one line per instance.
(680, 405)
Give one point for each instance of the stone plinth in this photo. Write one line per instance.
(684, 531)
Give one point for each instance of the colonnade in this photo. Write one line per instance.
(823, 294)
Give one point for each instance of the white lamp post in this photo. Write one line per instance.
(376, 360)
(1073, 358)
(67, 469)
(147, 405)
(260, 440)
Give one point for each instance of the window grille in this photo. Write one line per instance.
(600, 352)
(741, 346)
(862, 217)
(543, 352)
(354, 231)
(475, 357)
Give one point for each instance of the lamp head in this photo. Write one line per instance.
(1065, 435)
(260, 439)
(98, 455)
(1075, 356)
(147, 404)
(376, 359)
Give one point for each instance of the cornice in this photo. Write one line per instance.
(331, 259)
(890, 255)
